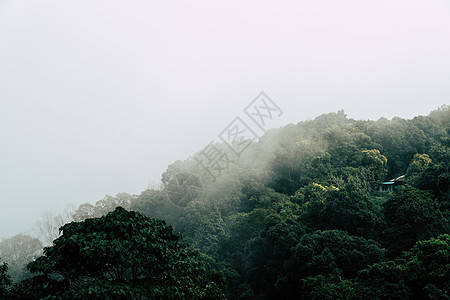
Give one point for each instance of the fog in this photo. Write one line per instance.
(100, 97)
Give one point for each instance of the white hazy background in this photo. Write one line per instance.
(98, 97)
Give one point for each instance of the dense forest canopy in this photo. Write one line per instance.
(301, 213)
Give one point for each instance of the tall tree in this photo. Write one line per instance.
(4, 278)
(121, 255)
(327, 252)
(429, 268)
(411, 215)
(47, 229)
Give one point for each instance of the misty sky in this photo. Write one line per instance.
(98, 97)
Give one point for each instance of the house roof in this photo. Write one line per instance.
(400, 178)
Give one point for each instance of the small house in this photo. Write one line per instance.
(391, 185)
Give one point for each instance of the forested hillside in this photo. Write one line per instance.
(301, 213)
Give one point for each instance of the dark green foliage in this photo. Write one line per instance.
(299, 215)
(421, 273)
(385, 280)
(429, 268)
(5, 280)
(155, 204)
(121, 255)
(267, 252)
(321, 252)
(333, 253)
(411, 215)
(417, 168)
(436, 177)
(401, 139)
(203, 226)
(348, 208)
(328, 287)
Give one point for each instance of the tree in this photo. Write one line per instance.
(328, 288)
(376, 163)
(84, 211)
(17, 252)
(121, 255)
(401, 139)
(313, 199)
(267, 252)
(441, 116)
(385, 280)
(421, 273)
(411, 215)
(436, 177)
(419, 164)
(47, 229)
(102, 207)
(328, 252)
(109, 203)
(320, 252)
(154, 204)
(4, 278)
(346, 208)
(202, 226)
(429, 268)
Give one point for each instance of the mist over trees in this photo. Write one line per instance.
(17, 252)
(121, 255)
(300, 214)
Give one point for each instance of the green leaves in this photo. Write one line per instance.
(422, 273)
(4, 278)
(429, 263)
(120, 254)
(411, 215)
(321, 252)
(298, 214)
